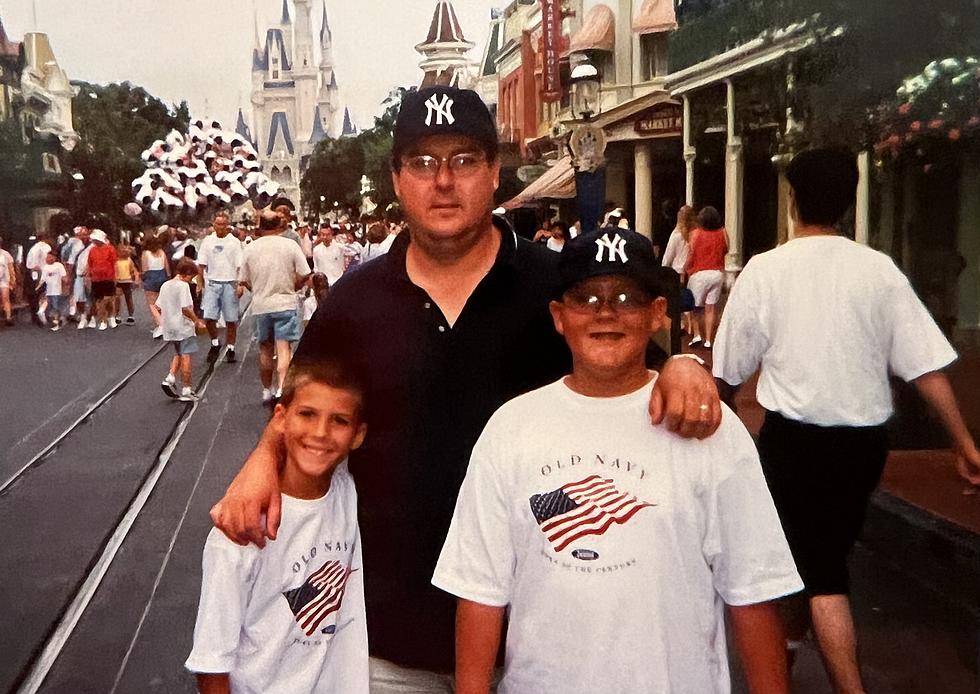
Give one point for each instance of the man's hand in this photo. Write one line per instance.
(685, 396)
(253, 492)
(968, 464)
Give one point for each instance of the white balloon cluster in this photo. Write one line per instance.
(206, 169)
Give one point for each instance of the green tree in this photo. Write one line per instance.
(334, 173)
(116, 122)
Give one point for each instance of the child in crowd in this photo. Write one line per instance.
(315, 294)
(597, 529)
(290, 617)
(179, 322)
(54, 280)
(127, 275)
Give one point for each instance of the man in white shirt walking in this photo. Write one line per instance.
(328, 255)
(219, 259)
(828, 320)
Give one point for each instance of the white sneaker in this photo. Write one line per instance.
(268, 395)
(82, 324)
(56, 327)
(42, 317)
(103, 325)
(112, 322)
(92, 323)
(157, 332)
(707, 344)
(188, 395)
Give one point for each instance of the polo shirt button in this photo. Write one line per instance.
(428, 305)
(442, 328)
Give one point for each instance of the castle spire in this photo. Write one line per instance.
(326, 38)
(285, 13)
(255, 26)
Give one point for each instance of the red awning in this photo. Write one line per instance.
(598, 32)
(655, 16)
(558, 182)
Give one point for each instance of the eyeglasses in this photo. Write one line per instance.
(427, 166)
(625, 301)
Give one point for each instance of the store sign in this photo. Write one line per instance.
(662, 119)
(551, 16)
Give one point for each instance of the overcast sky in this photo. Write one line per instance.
(201, 50)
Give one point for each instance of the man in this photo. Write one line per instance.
(219, 261)
(8, 283)
(827, 346)
(274, 268)
(448, 325)
(328, 257)
(35, 260)
(284, 208)
(101, 270)
(70, 251)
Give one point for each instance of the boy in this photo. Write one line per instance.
(179, 323)
(54, 278)
(827, 346)
(615, 544)
(290, 617)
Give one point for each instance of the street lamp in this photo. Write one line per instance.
(587, 145)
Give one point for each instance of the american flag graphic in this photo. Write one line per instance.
(319, 597)
(587, 507)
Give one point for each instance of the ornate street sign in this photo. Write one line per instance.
(662, 119)
(551, 15)
(588, 145)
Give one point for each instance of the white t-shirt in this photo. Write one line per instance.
(36, 256)
(222, 257)
(51, 276)
(329, 260)
(71, 249)
(624, 593)
(827, 319)
(288, 618)
(175, 295)
(675, 255)
(81, 261)
(6, 263)
(270, 265)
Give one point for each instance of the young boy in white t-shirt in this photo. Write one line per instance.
(54, 281)
(180, 324)
(615, 546)
(290, 617)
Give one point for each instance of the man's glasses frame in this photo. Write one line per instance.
(427, 166)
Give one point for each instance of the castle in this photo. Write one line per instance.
(295, 98)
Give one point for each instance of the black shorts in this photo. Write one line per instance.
(821, 479)
(103, 290)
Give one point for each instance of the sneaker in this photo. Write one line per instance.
(169, 388)
(92, 323)
(230, 356)
(82, 323)
(103, 325)
(696, 340)
(707, 344)
(157, 333)
(130, 321)
(188, 395)
(268, 396)
(112, 322)
(214, 353)
(56, 327)
(42, 319)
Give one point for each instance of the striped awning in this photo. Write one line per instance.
(598, 32)
(558, 182)
(656, 16)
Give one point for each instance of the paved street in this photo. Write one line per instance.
(100, 569)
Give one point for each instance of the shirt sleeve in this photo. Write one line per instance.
(185, 296)
(742, 338)
(299, 262)
(671, 250)
(477, 560)
(228, 571)
(743, 541)
(917, 346)
(204, 252)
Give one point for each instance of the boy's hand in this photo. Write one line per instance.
(685, 395)
(253, 492)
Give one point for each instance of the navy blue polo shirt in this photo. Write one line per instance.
(430, 389)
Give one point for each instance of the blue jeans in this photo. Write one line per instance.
(279, 325)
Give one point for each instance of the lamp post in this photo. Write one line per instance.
(587, 145)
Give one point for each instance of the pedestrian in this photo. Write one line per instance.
(374, 241)
(8, 283)
(54, 283)
(70, 252)
(328, 254)
(676, 254)
(446, 327)
(559, 236)
(102, 273)
(548, 522)
(705, 271)
(829, 321)
(178, 244)
(34, 261)
(284, 208)
(156, 271)
(274, 269)
(306, 242)
(244, 639)
(179, 323)
(220, 260)
(127, 276)
(315, 295)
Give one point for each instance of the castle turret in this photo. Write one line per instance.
(444, 60)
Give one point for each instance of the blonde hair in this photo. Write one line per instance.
(687, 221)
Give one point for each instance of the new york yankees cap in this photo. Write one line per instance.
(609, 252)
(443, 111)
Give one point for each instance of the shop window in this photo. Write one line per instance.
(653, 56)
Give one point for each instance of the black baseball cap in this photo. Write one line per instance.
(443, 111)
(609, 252)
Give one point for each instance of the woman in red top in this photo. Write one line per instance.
(705, 268)
(102, 272)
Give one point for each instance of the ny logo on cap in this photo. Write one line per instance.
(614, 247)
(440, 109)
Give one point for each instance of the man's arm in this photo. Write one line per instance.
(761, 644)
(478, 629)
(686, 397)
(212, 683)
(253, 492)
(935, 389)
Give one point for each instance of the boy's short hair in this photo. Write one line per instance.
(824, 183)
(333, 372)
(185, 266)
(610, 252)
